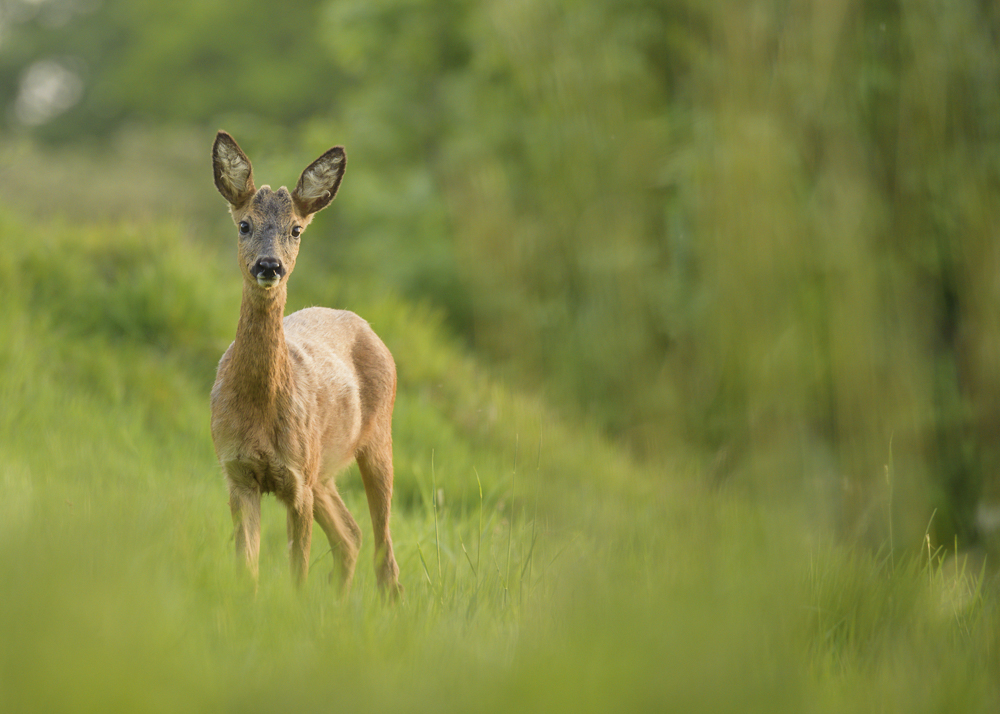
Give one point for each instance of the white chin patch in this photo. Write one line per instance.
(268, 282)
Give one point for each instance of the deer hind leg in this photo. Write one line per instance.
(341, 530)
(375, 464)
(244, 502)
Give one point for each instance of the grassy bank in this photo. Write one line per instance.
(544, 569)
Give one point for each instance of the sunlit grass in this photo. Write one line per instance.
(543, 568)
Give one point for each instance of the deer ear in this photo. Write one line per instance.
(233, 171)
(318, 184)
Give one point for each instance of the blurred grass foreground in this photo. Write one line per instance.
(696, 307)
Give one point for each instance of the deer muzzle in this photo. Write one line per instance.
(268, 272)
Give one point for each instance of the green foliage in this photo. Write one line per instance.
(760, 235)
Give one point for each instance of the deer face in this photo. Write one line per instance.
(270, 222)
(269, 230)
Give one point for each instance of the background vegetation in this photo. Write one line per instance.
(695, 311)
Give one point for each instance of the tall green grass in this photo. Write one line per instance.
(543, 568)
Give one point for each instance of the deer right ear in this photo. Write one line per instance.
(232, 169)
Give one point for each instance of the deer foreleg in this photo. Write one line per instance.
(300, 520)
(244, 502)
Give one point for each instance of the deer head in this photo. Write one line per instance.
(271, 222)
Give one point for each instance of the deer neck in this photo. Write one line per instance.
(260, 362)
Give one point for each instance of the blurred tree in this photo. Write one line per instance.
(759, 232)
(141, 60)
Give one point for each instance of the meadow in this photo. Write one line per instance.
(695, 306)
(545, 567)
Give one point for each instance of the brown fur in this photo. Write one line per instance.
(297, 398)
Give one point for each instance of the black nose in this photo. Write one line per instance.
(268, 268)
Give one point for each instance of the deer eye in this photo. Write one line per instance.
(296, 231)
(244, 228)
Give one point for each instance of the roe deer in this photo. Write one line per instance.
(297, 398)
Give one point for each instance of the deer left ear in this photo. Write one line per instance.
(318, 184)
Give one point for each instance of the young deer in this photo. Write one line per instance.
(297, 398)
